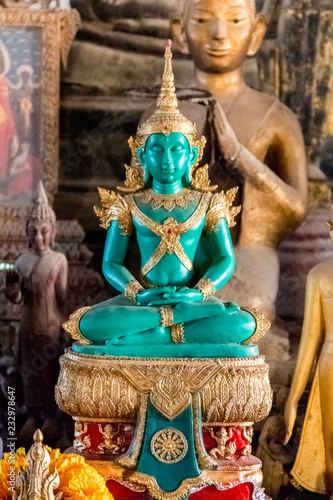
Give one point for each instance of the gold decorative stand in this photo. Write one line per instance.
(106, 394)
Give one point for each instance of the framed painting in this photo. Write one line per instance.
(32, 45)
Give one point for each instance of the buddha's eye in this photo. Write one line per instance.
(236, 21)
(200, 19)
(178, 149)
(156, 149)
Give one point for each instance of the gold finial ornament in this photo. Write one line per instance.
(36, 482)
(167, 118)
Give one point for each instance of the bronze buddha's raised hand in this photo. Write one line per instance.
(253, 137)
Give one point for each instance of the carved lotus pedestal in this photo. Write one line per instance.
(136, 417)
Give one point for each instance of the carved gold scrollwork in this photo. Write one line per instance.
(103, 387)
(170, 386)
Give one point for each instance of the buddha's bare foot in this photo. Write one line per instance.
(190, 311)
(159, 335)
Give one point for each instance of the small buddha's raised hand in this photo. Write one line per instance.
(13, 286)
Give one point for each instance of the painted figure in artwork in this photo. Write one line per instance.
(313, 468)
(40, 281)
(8, 134)
(254, 141)
(181, 228)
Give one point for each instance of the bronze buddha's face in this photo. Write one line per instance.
(219, 33)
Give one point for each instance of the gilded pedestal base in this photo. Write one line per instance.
(117, 401)
(108, 388)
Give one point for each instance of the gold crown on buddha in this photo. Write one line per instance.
(167, 118)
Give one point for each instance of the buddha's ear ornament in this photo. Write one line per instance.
(199, 179)
(136, 176)
(134, 180)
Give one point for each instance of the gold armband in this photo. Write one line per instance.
(166, 316)
(132, 289)
(72, 325)
(206, 287)
(177, 333)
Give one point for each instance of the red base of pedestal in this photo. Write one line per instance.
(242, 491)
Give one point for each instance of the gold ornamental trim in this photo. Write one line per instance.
(169, 232)
(223, 478)
(230, 424)
(72, 325)
(167, 201)
(156, 492)
(132, 289)
(177, 333)
(120, 361)
(263, 325)
(221, 207)
(129, 458)
(103, 388)
(206, 287)
(166, 313)
(205, 461)
(109, 420)
(114, 208)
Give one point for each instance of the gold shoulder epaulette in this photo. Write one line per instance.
(221, 208)
(114, 208)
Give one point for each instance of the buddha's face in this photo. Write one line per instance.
(40, 236)
(220, 33)
(167, 157)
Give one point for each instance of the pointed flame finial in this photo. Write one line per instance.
(167, 118)
(41, 209)
(167, 100)
(36, 482)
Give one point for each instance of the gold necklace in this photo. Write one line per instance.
(167, 201)
(169, 232)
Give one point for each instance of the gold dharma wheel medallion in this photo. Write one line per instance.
(169, 446)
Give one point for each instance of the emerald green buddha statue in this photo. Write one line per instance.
(182, 231)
